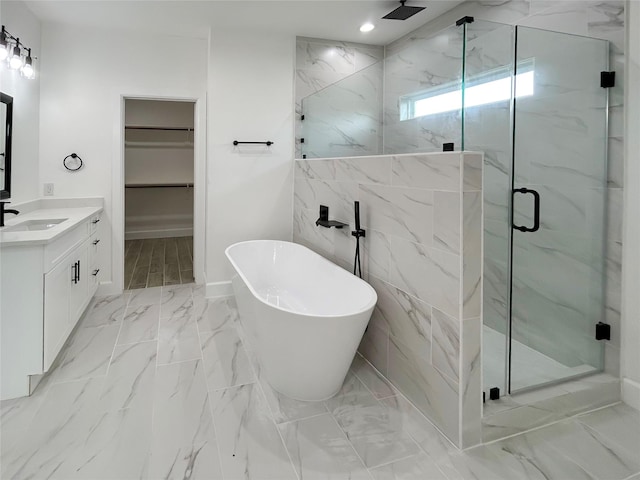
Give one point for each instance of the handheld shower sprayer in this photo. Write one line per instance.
(358, 232)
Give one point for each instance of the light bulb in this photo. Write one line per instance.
(27, 70)
(367, 27)
(15, 61)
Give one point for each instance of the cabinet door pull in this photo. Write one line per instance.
(95, 242)
(78, 271)
(74, 278)
(95, 221)
(95, 272)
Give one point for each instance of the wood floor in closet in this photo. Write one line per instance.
(154, 262)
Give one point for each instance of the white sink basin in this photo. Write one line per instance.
(34, 225)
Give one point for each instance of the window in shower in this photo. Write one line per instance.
(490, 87)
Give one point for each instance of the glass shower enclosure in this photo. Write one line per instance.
(541, 122)
(559, 186)
(531, 101)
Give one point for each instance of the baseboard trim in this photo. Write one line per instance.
(219, 289)
(167, 233)
(107, 288)
(631, 393)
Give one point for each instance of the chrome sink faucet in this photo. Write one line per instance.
(5, 210)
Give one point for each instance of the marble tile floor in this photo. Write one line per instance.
(156, 262)
(529, 367)
(158, 383)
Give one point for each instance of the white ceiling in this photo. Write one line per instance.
(332, 19)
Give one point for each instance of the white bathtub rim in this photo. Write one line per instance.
(368, 306)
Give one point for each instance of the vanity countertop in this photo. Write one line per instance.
(74, 216)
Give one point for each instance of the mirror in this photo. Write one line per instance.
(6, 119)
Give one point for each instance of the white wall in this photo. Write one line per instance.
(250, 85)
(20, 22)
(250, 98)
(86, 74)
(630, 367)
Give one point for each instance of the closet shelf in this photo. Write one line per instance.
(151, 127)
(158, 185)
(133, 144)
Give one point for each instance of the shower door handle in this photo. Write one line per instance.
(536, 209)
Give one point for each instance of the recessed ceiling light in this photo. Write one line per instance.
(367, 27)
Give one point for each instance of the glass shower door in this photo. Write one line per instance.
(559, 205)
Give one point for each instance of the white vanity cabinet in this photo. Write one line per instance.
(44, 291)
(66, 295)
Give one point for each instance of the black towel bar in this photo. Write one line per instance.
(268, 143)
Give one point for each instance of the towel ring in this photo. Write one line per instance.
(73, 156)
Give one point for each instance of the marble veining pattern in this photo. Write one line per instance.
(140, 323)
(446, 344)
(107, 310)
(321, 64)
(130, 379)
(143, 419)
(423, 63)
(225, 360)
(178, 340)
(345, 119)
(183, 440)
(403, 316)
(88, 353)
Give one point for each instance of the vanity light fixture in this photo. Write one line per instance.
(11, 54)
(367, 27)
(4, 47)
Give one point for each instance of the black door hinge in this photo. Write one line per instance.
(301, 117)
(464, 20)
(603, 331)
(447, 147)
(494, 393)
(607, 79)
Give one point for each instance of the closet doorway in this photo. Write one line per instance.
(159, 199)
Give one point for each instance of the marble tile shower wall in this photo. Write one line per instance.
(345, 119)
(427, 62)
(422, 253)
(598, 19)
(320, 63)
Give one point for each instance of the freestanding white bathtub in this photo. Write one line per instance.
(304, 316)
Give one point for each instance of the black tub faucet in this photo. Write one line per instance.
(324, 215)
(324, 221)
(5, 210)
